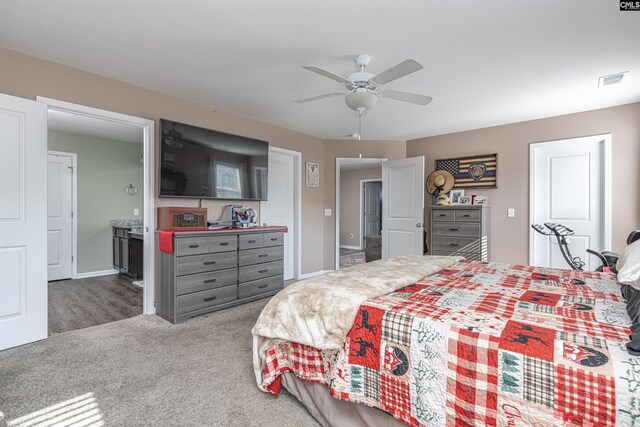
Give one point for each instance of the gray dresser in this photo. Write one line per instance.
(212, 270)
(460, 230)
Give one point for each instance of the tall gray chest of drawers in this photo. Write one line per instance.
(212, 270)
(460, 230)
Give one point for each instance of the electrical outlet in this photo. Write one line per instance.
(351, 236)
(511, 213)
(136, 212)
(327, 212)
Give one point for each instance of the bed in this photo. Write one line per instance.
(446, 341)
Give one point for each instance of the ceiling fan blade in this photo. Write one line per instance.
(328, 74)
(324, 95)
(413, 98)
(402, 69)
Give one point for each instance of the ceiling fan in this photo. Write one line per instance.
(362, 89)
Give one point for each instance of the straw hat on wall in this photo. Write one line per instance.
(440, 182)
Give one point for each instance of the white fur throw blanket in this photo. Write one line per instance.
(320, 311)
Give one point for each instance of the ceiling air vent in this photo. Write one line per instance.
(611, 79)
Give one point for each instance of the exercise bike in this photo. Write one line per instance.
(607, 258)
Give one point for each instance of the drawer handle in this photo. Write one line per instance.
(453, 244)
(262, 286)
(466, 215)
(224, 243)
(209, 262)
(263, 271)
(262, 255)
(251, 241)
(209, 299)
(209, 281)
(454, 229)
(273, 239)
(194, 246)
(443, 215)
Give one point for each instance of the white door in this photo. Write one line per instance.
(59, 216)
(403, 207)
(568, 187)
(23, 221)
(279, 209)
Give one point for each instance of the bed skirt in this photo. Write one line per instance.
(332, 412)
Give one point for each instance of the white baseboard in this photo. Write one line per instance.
(313, 274)
(96, 273)
(350, 247)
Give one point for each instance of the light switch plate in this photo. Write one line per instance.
(511, 213)
(327, 212)
(136, 211)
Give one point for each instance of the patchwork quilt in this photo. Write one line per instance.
(483, 344)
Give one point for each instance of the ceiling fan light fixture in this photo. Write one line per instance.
(361, 100)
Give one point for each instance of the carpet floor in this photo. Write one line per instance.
(350, 257)
(144, 371)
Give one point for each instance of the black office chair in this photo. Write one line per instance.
(610, 259)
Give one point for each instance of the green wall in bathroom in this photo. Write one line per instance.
(105, 168)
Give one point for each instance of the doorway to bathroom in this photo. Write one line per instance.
(96, 209)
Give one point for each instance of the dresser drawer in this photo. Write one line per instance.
(192, 245)
(223, 243)
(475, 256)
(259, 271)
(274, 239)
(472, 215)
(202, 263)
(251, 241)
(261, 255)
(262, 286)
(199, 300)
(455, 244)
(442, 215)
(453, 229)
(204, 281)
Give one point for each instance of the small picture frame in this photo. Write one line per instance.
(455, 195)
(313, 174)
(480, 200)
(464, 200)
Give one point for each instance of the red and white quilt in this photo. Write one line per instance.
(483, 344)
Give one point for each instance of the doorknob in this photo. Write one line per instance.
(418, 225)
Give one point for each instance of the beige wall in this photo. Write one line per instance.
(350, 203)
(28, 77)
(509, 238)
(334, 148)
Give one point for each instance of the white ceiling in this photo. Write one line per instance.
(486, 62)
(84, 125)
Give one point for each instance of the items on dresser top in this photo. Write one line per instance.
(181, 218)
(211, 270)
(460, 230)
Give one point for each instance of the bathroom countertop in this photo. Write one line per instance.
(126, 223)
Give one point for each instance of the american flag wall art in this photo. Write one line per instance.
(473, 171)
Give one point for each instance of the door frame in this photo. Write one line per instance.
(362, 181)
(148, 129)
(297, 208)
(74, 208)
(339, 162)
(606, 138)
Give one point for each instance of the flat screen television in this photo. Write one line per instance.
(207, 164)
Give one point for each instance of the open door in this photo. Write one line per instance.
(23, 221)
(403, 207)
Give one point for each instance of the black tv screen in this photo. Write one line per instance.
(203, 163)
